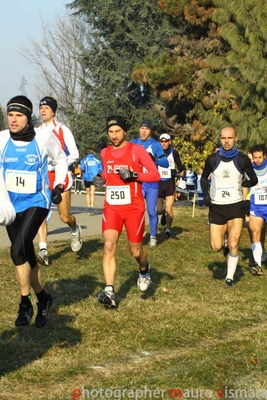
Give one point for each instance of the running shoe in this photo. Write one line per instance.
(43, 256)
(107, 298)
(90, 210)
(25, 314)
(153, 242)
(144, 281)
(163, 219)
(76, 239)
(167, 233)
(229, 282)
(255, 270)
(42, 314)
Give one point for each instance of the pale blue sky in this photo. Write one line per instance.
(19, 21)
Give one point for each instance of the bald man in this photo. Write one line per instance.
(231, 170)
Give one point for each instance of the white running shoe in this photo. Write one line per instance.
(153, 242)
(144, 281)
(43, 256)
(76, 239)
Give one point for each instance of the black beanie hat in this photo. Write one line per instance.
(117, 120)
(20, 104)
(147, 123)
(49, 101)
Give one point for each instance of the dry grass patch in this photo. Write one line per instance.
(187, 331)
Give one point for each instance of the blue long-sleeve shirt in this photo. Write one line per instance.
(90, 166)
(153, 147)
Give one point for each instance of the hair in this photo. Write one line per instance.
(89, 150)
(258, 148)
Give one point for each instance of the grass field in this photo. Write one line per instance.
(188, 332)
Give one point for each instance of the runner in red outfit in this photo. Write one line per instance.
(126, 166)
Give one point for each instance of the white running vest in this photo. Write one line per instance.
(166, 173)
(258, 194)
(226, 184)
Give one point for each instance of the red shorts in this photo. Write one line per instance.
(134, 223)
(67, 184)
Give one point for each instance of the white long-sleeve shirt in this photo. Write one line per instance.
(7, 211)
(68, 138)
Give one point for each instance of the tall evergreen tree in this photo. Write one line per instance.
(242, 71)
(216, 74)
(176, 77)
(122, 33)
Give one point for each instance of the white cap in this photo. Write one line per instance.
(165, 136)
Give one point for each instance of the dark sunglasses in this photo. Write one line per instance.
(164, 141)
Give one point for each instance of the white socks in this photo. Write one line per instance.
(257, 252)
(231, 266)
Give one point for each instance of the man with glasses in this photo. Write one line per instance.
(167, 183)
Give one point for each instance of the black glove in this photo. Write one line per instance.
(56, 194)
(174, 173)
(207, 200)
(71, 168)
(98, 181)
(126, 175)
(153, 157)
(246, 183)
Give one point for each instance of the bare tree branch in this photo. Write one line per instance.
(59, 62)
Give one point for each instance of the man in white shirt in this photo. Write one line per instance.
(7, 211)
(48, 107)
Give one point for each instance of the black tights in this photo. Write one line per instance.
(22, 233)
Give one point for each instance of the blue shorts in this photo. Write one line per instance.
(259, 211)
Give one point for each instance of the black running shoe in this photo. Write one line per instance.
(167, 233)
(255, 270)
(163, 220)
(229, 282)
(107, 298)
(25, 314)
(42, 314)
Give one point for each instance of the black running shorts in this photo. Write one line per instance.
(221, 213)
(166, 188)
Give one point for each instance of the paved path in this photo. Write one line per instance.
(90, 224)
